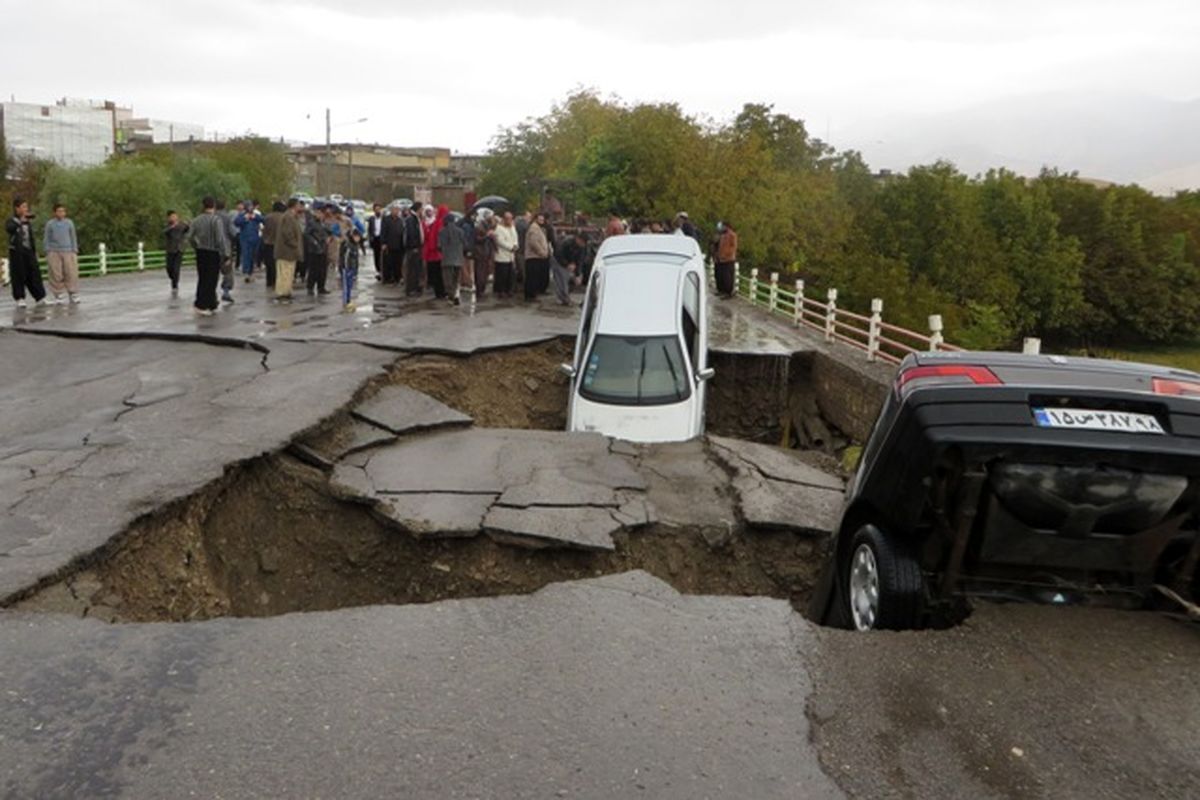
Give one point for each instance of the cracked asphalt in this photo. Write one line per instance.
(613, 687)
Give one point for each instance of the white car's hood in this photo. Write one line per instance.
(668, 423)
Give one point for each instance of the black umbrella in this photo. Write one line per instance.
(492, 201)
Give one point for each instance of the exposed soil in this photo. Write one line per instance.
(516, 388)
(271, 539)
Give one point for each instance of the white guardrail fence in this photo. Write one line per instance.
(880, 340)
(103, 262)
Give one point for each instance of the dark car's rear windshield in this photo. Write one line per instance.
(635, 371)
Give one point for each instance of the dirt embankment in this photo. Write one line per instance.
(517, 388)
(271, 538)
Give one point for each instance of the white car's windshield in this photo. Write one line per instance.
(635, 371)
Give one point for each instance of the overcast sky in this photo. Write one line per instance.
(451, 73)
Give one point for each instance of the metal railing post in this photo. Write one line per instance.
(103, 259)
(831, 315)
(141, 255)
(874, 329)
(798, 313)
(774, 291)
(754, 285)
(935, 333)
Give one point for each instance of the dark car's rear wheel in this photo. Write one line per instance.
(883, 583)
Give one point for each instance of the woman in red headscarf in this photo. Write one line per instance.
(432, 255)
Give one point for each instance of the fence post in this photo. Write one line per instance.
(141, 255)
(103, 259)
(799, 311)
(754, 285)
(874, 329)
(935, 333)
(774, 291)
(1032, 346)
(831, 315)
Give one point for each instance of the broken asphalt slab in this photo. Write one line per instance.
(402, 410)
(777, 490)
(108, 431)
(615, 687)
(541, 488)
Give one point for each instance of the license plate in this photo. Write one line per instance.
(1087, 419)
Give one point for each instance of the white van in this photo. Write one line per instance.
(641, 357)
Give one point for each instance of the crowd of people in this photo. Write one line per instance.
(427, 249)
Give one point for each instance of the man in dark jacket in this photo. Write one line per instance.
(568, 258)
(392, 246)
(375, 238)
(23, 268)
(316, 247)
(289, 249)
(413, 240)
(174, 238)
(270, 232)
(209, 235)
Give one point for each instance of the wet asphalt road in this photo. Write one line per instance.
(1018, 702)
(612, 688)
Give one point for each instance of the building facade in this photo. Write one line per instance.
(80, 133)
(380, 174)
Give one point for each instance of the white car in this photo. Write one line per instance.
(641, 357)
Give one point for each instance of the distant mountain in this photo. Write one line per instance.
(1117, 137)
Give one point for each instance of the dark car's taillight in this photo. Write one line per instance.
(942, 374)
(1176, 387)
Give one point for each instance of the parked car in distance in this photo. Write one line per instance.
(360, 207)
(306, 199)
(641, 356)
(1018, 477)
(401, 202)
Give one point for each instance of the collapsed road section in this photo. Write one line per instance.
(398, 500)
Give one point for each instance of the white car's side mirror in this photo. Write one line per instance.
(705, 374)
(567, 369)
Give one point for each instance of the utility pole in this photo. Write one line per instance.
(328, 153)
(350, 172)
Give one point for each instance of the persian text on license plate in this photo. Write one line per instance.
(1094, 420)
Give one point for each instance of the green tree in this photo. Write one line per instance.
(194, 178)
(118, 203)
(260, 161)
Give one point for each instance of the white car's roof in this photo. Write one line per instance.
(640, 277)
(649, 244)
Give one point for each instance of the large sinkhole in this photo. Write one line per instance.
(275, 535)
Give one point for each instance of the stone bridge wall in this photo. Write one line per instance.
(850, 395)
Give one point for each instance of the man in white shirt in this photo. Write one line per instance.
(507, 243)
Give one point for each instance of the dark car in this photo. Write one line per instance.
(1061, 480)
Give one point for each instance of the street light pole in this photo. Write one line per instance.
(328, 153)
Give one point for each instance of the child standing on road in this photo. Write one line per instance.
(352, 246)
